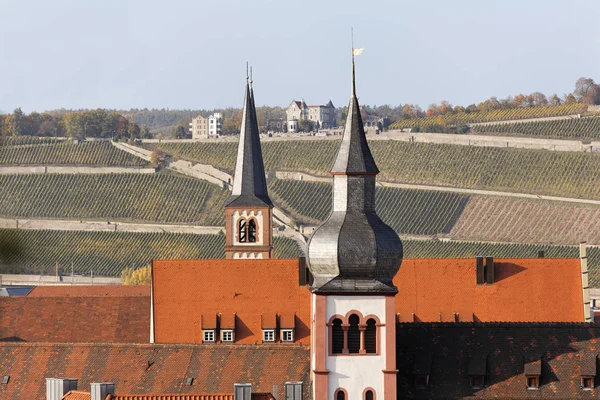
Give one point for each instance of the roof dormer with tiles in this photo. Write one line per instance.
(249, 210)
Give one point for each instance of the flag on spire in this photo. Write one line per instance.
(357, 52)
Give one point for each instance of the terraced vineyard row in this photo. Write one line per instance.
(108, 253)
(24, 140)
(488, 116)
(132, 197)
(66, 153)
(525, 221)
(588, 128)
(506, 169)
(414, 212)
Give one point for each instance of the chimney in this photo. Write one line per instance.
(587, 311)
(480, 270)
(101, 390)
(56, 388)
(489, 270)
(242, 391)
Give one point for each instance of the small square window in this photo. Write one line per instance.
(189, 381)
(208, 336)
(477, 382)
(287, 335)
(227, 335)
(587, 382)
(268, 335)
(5, 379)
(533, 382)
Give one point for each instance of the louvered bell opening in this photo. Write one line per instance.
(371, 336)
(337, 337)
(353, 334)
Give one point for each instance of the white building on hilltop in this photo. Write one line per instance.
(204, 128)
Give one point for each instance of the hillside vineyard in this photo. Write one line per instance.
(566, 174)
(588, 127)
(494, 115)
(102, 154)
(131, 197)
(108, 253)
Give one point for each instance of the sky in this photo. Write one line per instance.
(177, 54)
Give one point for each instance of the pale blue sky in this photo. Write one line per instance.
(192, 54)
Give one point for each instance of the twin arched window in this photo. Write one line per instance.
(340, 394)
(247, 230)
(353, 337)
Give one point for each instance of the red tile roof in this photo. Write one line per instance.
(90, 291)
(75, 319)
(188, 292)
(77, 395)
(228, 396)
(563, 352)
(526, 290)
(146, 368)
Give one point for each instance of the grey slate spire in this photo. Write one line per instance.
(354, 251)
(249, 182)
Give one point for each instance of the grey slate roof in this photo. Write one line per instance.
(249, 182)
(354, 155)
(354, 251)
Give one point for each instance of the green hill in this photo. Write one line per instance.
(151, 198)
(42, 152)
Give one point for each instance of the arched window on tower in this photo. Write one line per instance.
(242, 228)
(369, 395)
(252, 231)
(340, 394)
(371, 336)
(353, 334)
(337, 337)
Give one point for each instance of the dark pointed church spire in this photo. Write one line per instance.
(354, 251)
(249, 182)
(354, 155)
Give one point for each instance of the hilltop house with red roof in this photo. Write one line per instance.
(352, 320)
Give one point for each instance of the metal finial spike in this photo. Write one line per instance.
(246, 70)
(251, 75)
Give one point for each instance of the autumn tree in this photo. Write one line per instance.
(158, 157)
(136, 277)
(586, 91)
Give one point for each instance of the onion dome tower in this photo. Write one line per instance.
(249, 210)
(354, 251)
(353, 258)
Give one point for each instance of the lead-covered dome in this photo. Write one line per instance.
(354, 251)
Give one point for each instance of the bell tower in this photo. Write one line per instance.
(249, 210)
(353, 257)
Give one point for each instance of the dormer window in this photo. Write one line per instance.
(268, 335)
(477, 381)
(477, 370)
(587, 382)
(533, 382)
(287, 335)
(208, 336)
(227, 335)
(533, 371)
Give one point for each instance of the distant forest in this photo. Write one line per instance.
(167, 123)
